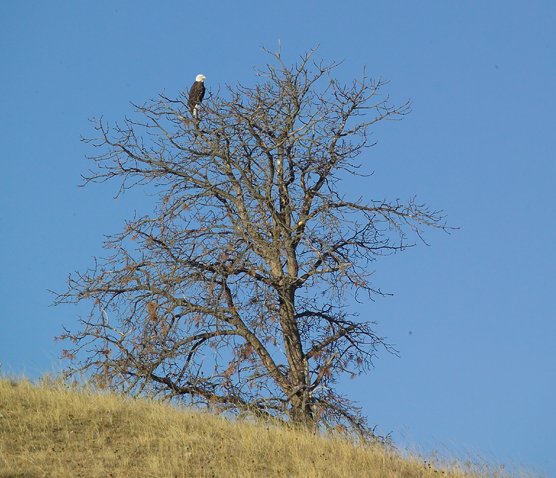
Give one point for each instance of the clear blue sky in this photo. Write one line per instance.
(473, 315)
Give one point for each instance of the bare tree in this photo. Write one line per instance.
(235, 292)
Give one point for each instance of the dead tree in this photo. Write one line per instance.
(234, 293)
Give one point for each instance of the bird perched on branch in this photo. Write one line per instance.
(196, 94)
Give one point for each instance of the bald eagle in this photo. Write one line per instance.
(196, 94)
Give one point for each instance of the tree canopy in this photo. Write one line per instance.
(235, 291)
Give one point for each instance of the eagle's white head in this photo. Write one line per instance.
(200, 78)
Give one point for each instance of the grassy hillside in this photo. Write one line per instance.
(50, 430)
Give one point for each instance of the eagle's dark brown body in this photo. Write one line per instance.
(196, 94)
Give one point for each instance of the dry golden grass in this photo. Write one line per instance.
(49, 430)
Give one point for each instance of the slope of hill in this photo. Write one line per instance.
(51, 430)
